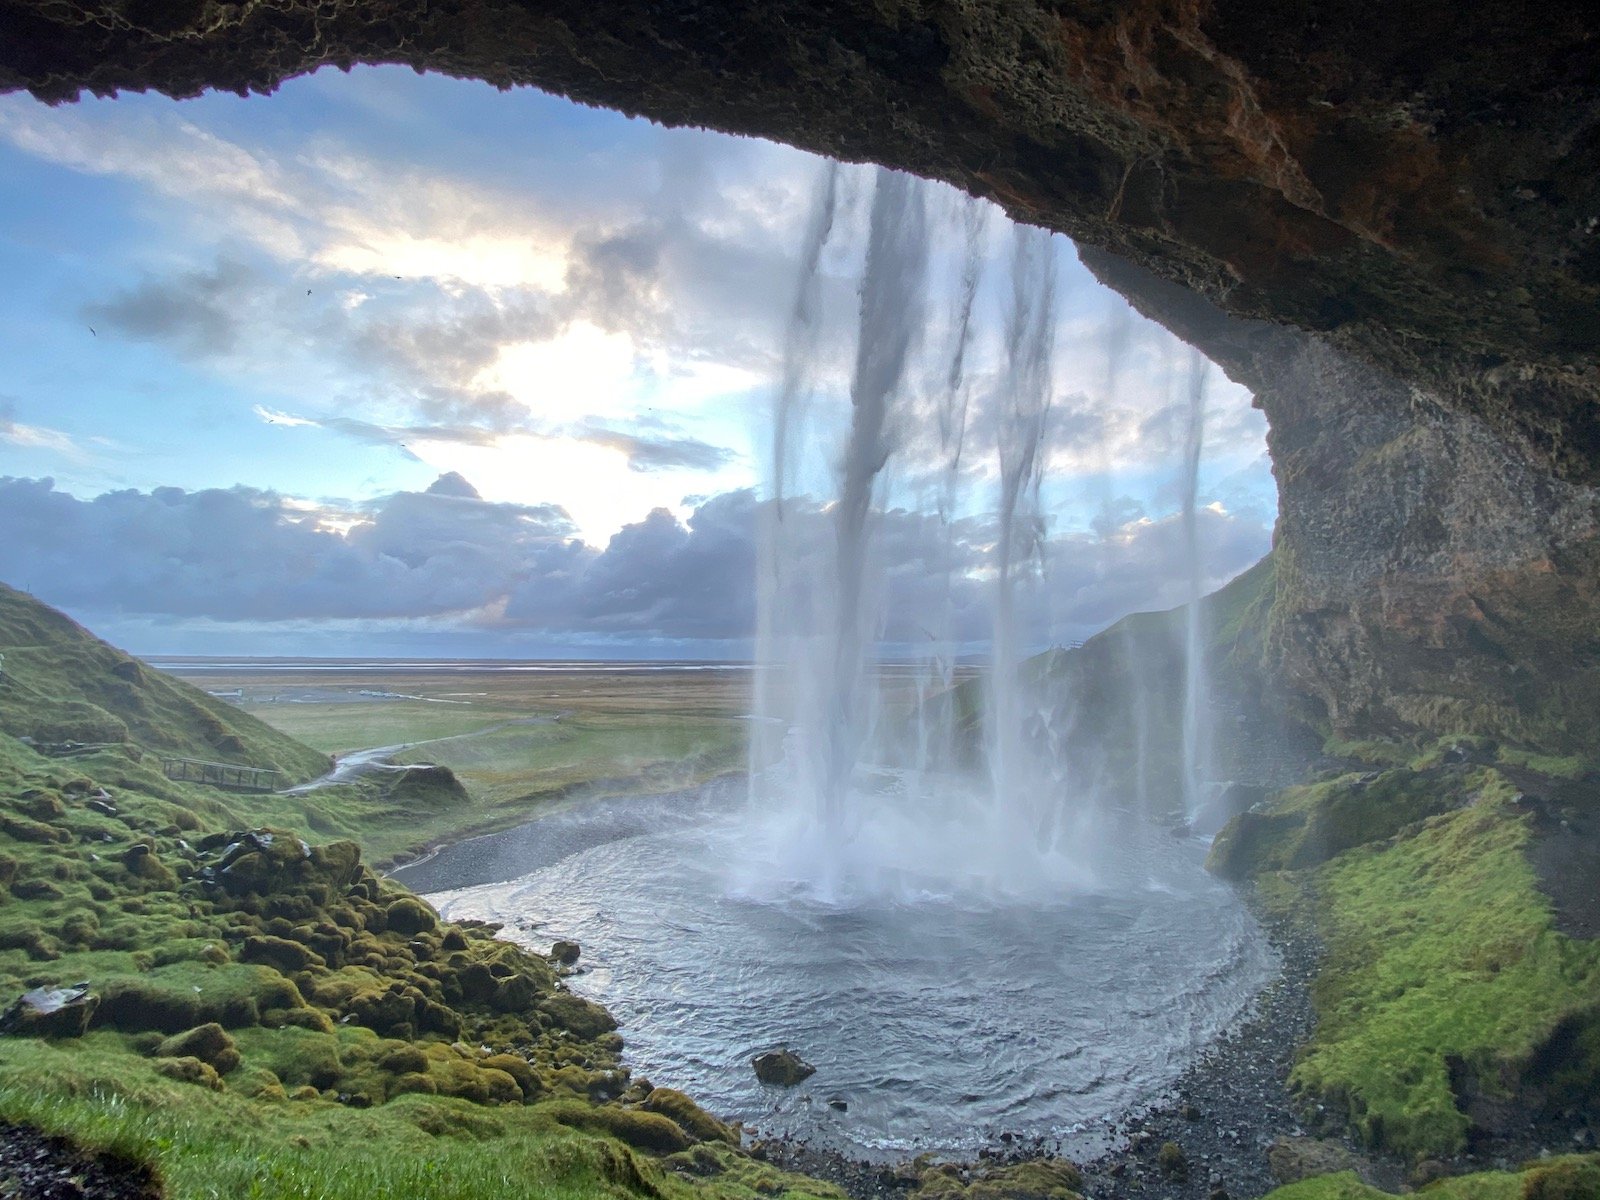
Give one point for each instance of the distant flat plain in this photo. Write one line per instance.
(522, 737)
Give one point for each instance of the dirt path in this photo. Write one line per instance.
(354, 764)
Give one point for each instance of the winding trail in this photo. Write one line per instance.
(353, 765)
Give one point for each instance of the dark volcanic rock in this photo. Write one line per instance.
(1436, 571)
(784, 1068)
(49, 1168)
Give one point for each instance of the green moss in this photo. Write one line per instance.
(1569, 767)
(643, 1130)
(1571, 1178)
(1310, 824)
(1575, 1178)
(689, 1116)
(1440, 949)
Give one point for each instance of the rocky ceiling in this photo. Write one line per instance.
(1416, 184)
(1421, 180)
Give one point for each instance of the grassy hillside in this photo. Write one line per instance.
(62, 684)
(223, 995)
(1117, 700)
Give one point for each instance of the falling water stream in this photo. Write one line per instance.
(909, 890)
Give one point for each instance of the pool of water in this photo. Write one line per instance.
(937, 1023)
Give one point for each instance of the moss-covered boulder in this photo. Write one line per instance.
(1038, 1179)
(582, 1018)
(190, 1070)
(210, 1043)
(689, 1116)
(643, 1130)
(409, 915)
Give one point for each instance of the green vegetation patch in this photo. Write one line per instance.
(1574, 1177)
(205, 1143)
(61, 684)
(1442, 960)
(1447, 992)
(1312, 823)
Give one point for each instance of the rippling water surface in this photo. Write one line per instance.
(938, 1024)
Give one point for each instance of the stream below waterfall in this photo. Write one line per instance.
(937, 1024)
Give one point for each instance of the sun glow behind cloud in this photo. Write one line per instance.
(573, 309)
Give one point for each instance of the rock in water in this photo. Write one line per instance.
(784, 1068)
(565, 953)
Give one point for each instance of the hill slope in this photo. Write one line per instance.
(63, 684)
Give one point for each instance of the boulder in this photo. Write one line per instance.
(51, 1012)
(782, 1068)
(565, 953)
(210, 1043)
(1292, 1159)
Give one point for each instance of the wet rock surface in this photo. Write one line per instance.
(782, 1068)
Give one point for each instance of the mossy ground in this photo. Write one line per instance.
(265, 1016)
(1445, 977)
(1575, 1177)
(61, 684)
(206, 1144)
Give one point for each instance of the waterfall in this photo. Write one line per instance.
(799, 365)
(1024, 409)
(1196, 732)
(890, 323)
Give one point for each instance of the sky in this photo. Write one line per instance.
(391, 364)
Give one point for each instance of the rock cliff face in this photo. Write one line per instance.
(1435, 573)
(1416, 186)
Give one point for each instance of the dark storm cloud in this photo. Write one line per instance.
(245, 555)
(198, 313)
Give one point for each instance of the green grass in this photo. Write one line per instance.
(337, 728)
(1572, 1177)
(208, 1145)
(521, 750)
(60, 684)
(1439, 946)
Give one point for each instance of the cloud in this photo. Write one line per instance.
(199, 313)
(35, 437)
(244, 554)
(446, 555)
(659, 453)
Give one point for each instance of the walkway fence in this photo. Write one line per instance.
(228, 776)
